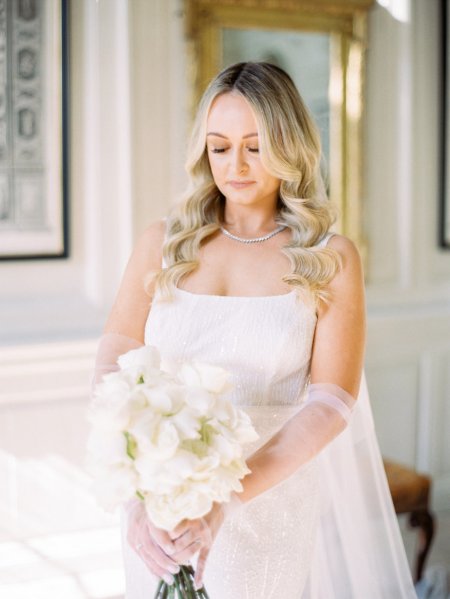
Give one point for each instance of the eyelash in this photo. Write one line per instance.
(222, 150)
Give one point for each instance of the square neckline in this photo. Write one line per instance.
(289, 293)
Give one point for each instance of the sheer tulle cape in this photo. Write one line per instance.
(359, 551)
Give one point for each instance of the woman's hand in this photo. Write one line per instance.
(191, 536)
(151, 544)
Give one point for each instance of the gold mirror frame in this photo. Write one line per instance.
(345, 22)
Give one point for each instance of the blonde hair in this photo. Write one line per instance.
(290, 150)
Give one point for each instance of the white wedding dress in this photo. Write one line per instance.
(327, 532)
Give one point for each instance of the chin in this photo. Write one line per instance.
(242, 196)
(242, 201)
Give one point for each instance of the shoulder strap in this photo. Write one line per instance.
(324, 241)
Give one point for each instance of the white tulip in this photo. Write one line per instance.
(187, 423)
(107, 447)
(200, 399)
(212, 378)
(164, 477)
(156, 437)
(167, 511)
(145, 357)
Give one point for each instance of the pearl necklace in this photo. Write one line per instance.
(255, 239)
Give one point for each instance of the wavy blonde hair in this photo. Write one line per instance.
(290, 150)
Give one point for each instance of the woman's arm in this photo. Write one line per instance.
(124, 328)
(340, 337)
(132, 303)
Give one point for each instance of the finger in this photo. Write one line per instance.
(200, 568)
(206, 532)
(161, 537)
(160, 557)
(185, 540)
(153, 567)
(141, 541)
(183, 557)
(180, 529)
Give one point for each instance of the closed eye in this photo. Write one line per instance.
(222, 150)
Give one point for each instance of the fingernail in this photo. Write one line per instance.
(168, 578)
(174, 569)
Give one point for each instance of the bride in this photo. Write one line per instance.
(246, 274)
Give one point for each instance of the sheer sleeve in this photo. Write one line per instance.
(359, 550)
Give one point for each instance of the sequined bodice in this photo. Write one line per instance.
(264, 342)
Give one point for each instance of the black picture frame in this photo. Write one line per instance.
(444, 203)
(50, 237)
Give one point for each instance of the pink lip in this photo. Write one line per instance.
(240, 184)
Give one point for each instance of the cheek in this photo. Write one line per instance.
(215, 166)
(272, 183)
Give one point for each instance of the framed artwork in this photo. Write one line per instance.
(34, 174)
(321, 44)
(444, 212)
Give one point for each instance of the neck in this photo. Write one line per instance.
(249, 222)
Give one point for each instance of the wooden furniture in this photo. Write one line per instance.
(411, 495)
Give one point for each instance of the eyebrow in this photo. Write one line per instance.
(224, 136)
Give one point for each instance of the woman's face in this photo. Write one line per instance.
(233, 152)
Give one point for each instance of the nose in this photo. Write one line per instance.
(239, 163)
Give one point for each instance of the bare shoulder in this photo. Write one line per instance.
(153, 234)
(347, 249)
(345, 246)
(349, 280)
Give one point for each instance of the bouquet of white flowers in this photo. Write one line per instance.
(164, 433)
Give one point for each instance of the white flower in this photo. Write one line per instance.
(161, 399)
(187, 423)
(111, 406)
(143, 357)
(166, 511)
(212, 378)
(227, 449)
(206, 467)
(107, 447)
(164, 477)
(200, 399)
(226, 479)
(155, 436)
(142, 365)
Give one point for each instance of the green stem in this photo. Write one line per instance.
(184, 583)
(178, 586)
(204, 593)
(158, 590)
(187, 583)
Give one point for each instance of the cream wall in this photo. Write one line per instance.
(408, 290)
(128, 107)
